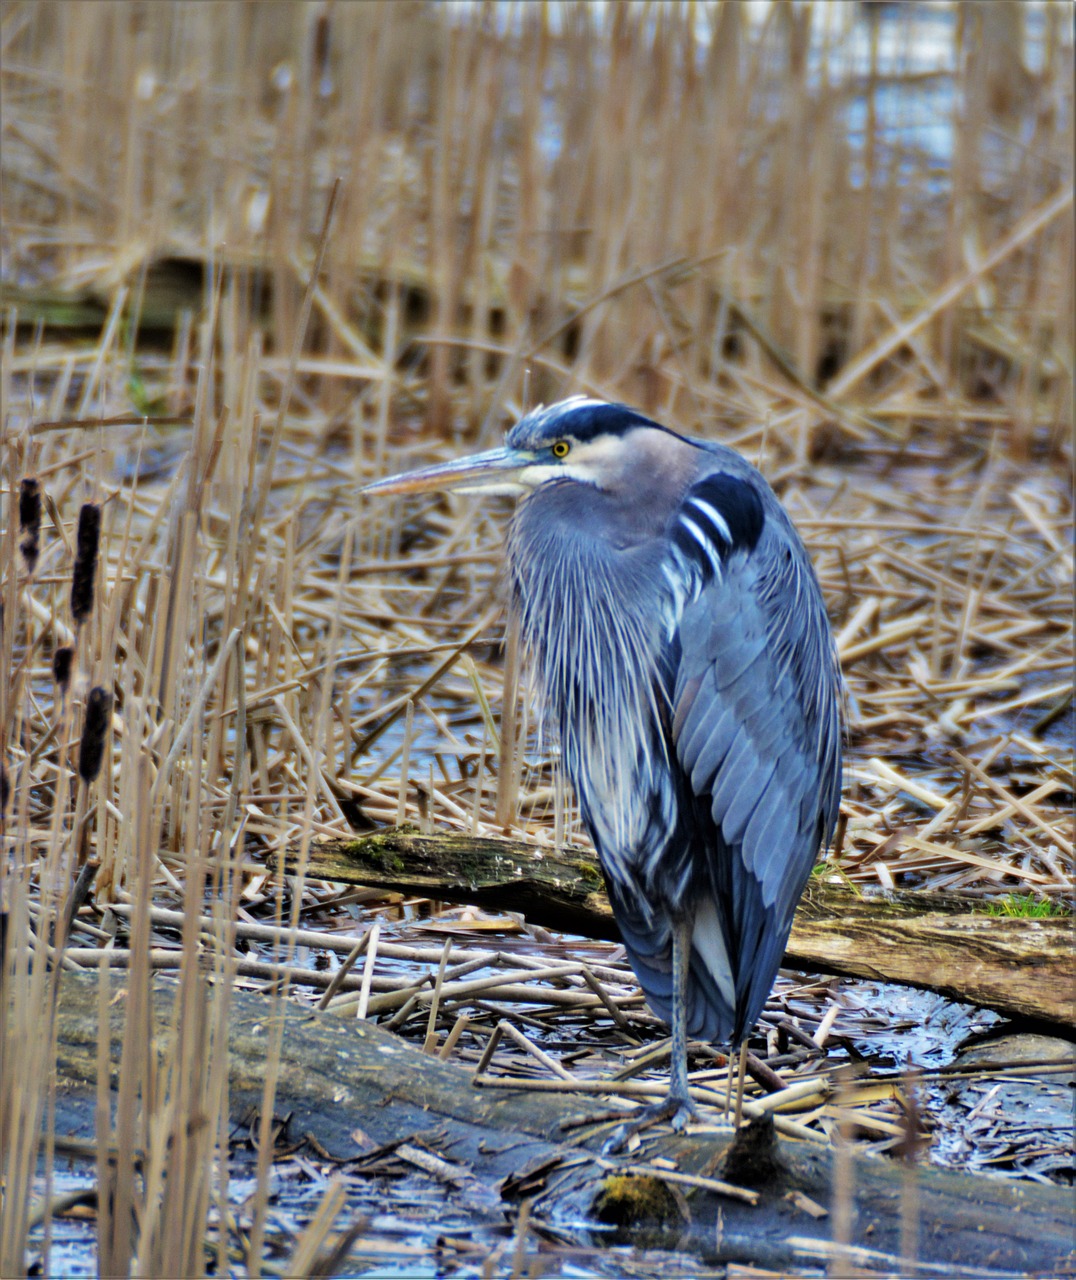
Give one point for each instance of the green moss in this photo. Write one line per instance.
(627, 1201)
(377, 853)
(1027, 906)
(829, 867)
(591, 876)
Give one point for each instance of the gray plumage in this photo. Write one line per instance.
(696, 694)
(684, 655)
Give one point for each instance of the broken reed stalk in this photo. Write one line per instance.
(909, 1149)
(843, 1203)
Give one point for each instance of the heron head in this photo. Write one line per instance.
(590, 442)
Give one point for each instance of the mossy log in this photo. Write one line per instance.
(1021, 967)
(348, 1085)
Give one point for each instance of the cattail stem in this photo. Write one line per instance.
(79, 893)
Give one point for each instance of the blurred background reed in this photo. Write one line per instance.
(837, 236)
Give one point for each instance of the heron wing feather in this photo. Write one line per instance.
(752, 734)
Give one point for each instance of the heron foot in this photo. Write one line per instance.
(677, 1110)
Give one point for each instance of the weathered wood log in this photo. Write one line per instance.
(350, 1084)
(1021, 967)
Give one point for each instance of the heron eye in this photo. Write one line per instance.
(561, 449)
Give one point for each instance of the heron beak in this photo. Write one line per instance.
(495, 469)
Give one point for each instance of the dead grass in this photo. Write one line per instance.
(624, 202)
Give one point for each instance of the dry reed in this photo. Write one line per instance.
(743, 227)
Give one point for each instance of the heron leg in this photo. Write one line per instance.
(676, 1106)
(681, 958)
(741, 1076)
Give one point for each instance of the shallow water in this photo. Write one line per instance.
(412, 1226)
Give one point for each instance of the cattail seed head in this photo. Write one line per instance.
(61, 666)
(5, 788)
(30, 520)
(85, 572)
(91, 749)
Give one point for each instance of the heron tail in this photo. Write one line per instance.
(711, 995)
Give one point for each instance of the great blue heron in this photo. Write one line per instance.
(681, 642)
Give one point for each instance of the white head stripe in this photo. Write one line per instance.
(581, 402)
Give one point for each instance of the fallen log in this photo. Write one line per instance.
(348, 1084)
(1021, 967)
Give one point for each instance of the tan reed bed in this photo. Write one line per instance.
(891, 343)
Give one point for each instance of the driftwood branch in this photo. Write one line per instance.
(355, 1092)
(1021, 967)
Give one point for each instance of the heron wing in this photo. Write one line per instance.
(756, 733)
